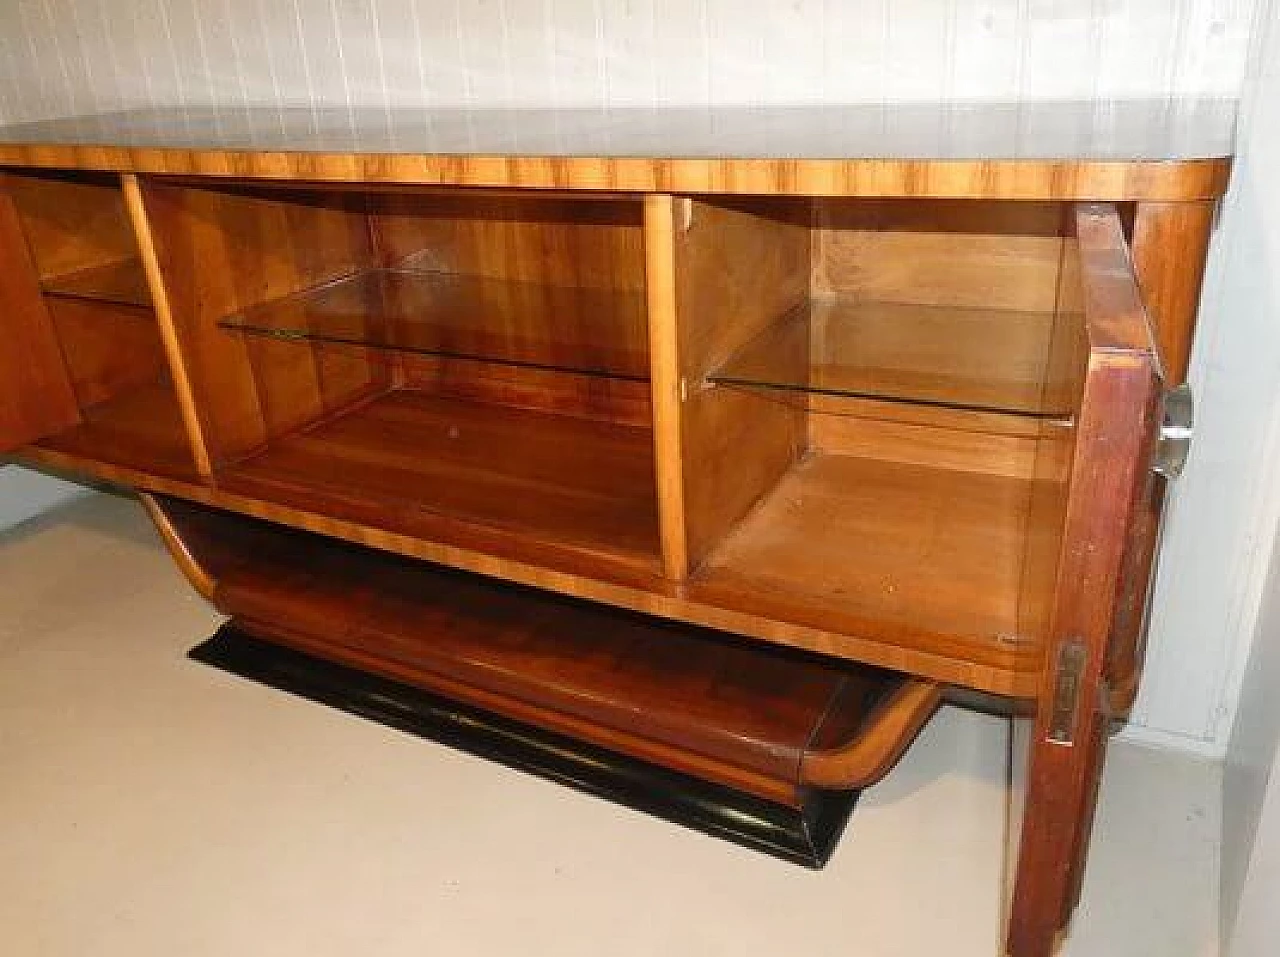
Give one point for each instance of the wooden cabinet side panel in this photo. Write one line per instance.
(36, 396)
(1170, 244)
(738, 269)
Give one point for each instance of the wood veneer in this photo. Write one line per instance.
(138, 429)
(417, 464)
(42, 399)
(1008, 151)
(965, 542)
(769, 722)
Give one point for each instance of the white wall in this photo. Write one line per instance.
(1251, 795)
(1250, 296)
(1224, 510)
(68, 56)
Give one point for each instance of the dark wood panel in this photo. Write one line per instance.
(1108, 481)
(692, 699)
(36, 396)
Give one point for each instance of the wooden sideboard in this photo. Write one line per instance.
(729, 443)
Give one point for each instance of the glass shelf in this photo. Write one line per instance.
(580, 329)
(123, 283)
(984, 360)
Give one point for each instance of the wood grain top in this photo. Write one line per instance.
(1163, 149)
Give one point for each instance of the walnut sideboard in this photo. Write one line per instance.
(693, 457)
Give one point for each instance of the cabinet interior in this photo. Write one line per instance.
(879, 424)
(94, 289)
(453, 367)
(875, 399)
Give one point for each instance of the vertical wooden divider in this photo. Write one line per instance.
(664, 377)
(164, 320)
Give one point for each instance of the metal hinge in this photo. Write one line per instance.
(1072, 656)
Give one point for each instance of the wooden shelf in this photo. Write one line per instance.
(987, 360)
(141, 428)
(123, 283)
(930, 558)
(582, 329)
(527, 484)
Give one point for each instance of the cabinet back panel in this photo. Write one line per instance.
(623, 401)
(547, 247)
(72, 222)
(567, 242)
(972, 255)
(108, 349)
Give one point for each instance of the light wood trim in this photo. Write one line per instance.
(201, 580)
(664, 374)
(164, 320)
(1170, 245)
(887, 735)
(1168, 181)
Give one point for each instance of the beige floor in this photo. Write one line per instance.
(152, 806)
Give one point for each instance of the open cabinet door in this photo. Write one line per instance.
(36, 396)
(1108, 495)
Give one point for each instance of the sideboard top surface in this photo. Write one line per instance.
(1148, 149)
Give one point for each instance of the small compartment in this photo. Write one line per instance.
(879, 416)
(79, 235)
(465, 368)
(94, 290)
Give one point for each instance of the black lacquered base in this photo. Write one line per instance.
(805, 836)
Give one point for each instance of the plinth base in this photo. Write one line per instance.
(805, 835)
